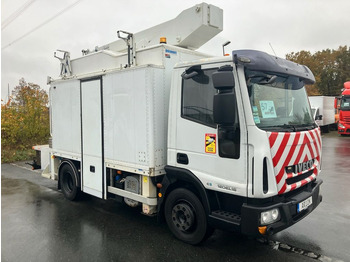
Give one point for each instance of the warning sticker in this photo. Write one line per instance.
(210, 143)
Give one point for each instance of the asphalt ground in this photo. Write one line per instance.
(39, 224)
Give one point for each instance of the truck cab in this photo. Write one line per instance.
(344, 111)
(242, 134)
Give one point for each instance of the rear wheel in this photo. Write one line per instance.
(68, 182)
(185, 216)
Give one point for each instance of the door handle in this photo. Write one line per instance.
(182, 158)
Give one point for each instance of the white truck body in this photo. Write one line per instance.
(225, 142)
(137, 97)
(323, 105)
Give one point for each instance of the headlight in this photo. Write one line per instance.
(341, 125)
(270, 216)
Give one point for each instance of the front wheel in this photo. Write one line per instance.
(185, 216)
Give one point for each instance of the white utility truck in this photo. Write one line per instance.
(204, 142)
(322, 108)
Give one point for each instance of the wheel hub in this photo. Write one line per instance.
(183, 216)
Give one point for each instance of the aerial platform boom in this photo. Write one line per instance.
(191, 29)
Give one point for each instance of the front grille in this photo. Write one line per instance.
(346, 119)
(296, 179)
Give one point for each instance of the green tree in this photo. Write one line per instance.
(306, 58)
(330, 67)
(24, 119)
(343, 60)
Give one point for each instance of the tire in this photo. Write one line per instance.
(185, 216)
(68, 183)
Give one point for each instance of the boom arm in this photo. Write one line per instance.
(191, 29)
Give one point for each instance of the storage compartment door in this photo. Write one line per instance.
(92, 158)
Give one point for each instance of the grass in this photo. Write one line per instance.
(9, 155)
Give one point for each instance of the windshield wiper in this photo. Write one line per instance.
(306, 127)
(284, 127)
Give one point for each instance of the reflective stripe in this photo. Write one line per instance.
(289, 149)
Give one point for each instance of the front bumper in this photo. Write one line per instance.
(288, 210)
(345, 130)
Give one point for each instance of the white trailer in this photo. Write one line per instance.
(204, 142)
(323, 112)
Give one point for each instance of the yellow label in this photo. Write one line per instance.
(145, 179)
(210, 143)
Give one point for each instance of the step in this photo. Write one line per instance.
(227, 216)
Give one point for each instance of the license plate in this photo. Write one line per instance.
(305, 204)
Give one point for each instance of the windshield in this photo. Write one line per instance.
(279, 102)
(345, 103)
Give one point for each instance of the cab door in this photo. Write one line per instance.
(216, 156)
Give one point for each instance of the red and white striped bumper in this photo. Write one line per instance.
(296, 158)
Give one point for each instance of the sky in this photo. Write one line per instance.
(28, 43)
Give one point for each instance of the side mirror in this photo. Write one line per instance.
(224, 109)
(225, 101)
(223, 80)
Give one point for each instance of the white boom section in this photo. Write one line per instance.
(191, 29)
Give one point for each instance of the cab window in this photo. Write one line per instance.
(197, 98)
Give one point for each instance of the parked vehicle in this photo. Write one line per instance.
(322, 108)
(344, 110)
(336, 108)
(205, 142)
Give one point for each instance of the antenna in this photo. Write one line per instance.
(272, 49)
